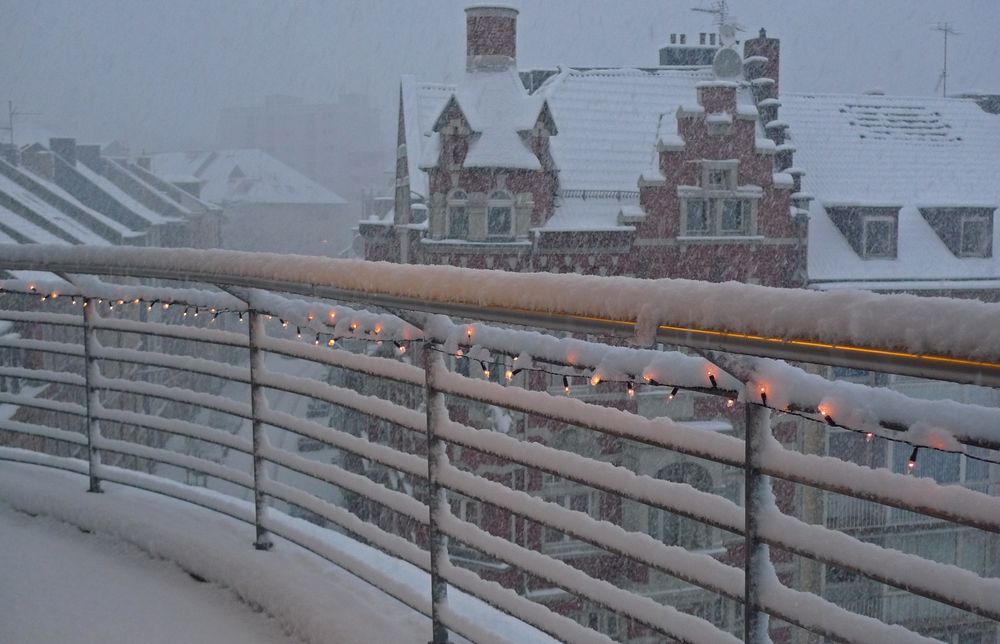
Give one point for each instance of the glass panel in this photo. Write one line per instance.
(458, 222)
(697, 218)
(879, 235)
(733, 219)
(975, 237)
(718, 180)
(499, 220)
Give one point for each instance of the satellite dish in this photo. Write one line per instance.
(727, 64)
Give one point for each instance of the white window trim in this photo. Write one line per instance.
(714, 205)
(966, 218)
(507, 202)
(867, 219)
(455, 202)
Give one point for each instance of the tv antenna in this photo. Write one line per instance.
(12, 114)
(946, 29)
(723, 20)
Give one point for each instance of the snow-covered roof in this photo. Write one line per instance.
(422, 103)
(610, 120)
(122, 197)
(498, 108)
(916, 150)
(591, 214)
(904, 152)
(54, 215)
(244, 175)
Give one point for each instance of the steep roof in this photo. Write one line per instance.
(905, 152)
(422, 103)
(610, 119)
(498, 109)
(244, 175)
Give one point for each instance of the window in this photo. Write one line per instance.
(718, 208)
(579, 502)
(718, 217)
(674, 530)
(975, 236)
(500, 215)
(878, 237)
(870, 230)
(457, 224)
(466, 510)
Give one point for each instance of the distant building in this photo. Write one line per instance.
(268, 205)
(338, 145)
(685, 170)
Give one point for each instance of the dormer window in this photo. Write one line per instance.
(976, 236)
(879, 237)
(870, 230)
(457, 224)
(500, 215)
(966, 231)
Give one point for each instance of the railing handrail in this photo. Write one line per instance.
(940, 338)
(759, 457)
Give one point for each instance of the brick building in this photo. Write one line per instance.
(685, 170)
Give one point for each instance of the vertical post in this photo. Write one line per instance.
(757, 491)
(437, 499)
(93, 400)
(258, 404)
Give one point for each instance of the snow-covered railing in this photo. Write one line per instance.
(411, 454)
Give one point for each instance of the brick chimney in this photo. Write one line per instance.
(757, 70)
(40, 162)
(490, 38)
(65, 148)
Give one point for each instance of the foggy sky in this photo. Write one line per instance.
(155, 73)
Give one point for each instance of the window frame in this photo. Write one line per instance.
(984, 244)
(500, 200)
(891, 250)
(457, 198)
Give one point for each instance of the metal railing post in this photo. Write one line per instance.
(93, 399)
(258, 403)
(437, 499)
(757, 490)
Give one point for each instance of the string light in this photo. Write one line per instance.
(298, 333)
(331, 342)
(869, 436)
(566, 387)
(136, 301)
(595, 380)
(317, 339)
(241, 317)
(166, 305)
(730, 402)
(673, 394)
(630, 388)
(711, 378)
(400, 347)
(763, 396)
(911, 464)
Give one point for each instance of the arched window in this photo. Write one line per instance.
(675, 530)
(500, 215)
(457, 220)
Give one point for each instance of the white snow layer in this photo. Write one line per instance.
(939, 326)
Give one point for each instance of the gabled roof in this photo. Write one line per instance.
(46, 223)
(265, 179)
(498, 109)
(610, 120)
(422, 103)
(905, 152)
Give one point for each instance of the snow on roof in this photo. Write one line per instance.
(907, 152)
(53, 215)
(122, 197)
(498, 108)
(422, 103)
(591, 214)
(247, 175)
(893, 148)
(25, 228)
(609, 121)
(922, 260)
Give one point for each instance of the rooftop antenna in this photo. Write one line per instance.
(723, 20)
(946, 29)
(12, 114)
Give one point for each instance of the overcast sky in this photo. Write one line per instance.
(156, 72)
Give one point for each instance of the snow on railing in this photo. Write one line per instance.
(172, 361)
